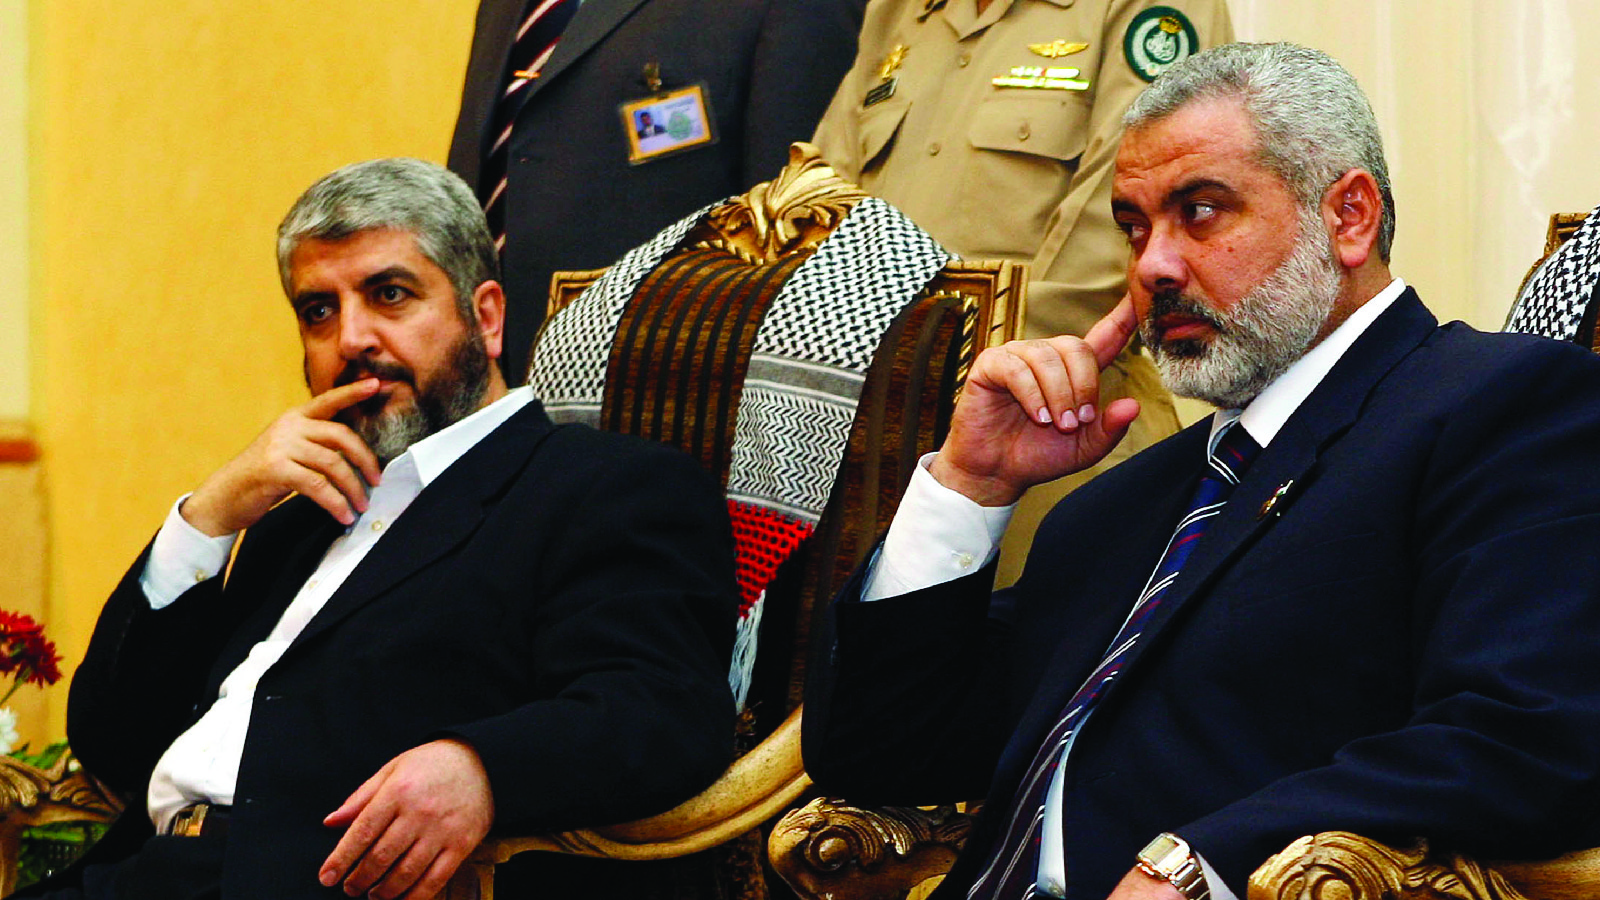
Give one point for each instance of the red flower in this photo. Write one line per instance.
(25, 651)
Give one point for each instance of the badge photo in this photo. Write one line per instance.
(667, 123)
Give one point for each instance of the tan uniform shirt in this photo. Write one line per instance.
(1017, 172)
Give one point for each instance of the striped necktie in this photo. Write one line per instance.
(1013, 864)
(536, 40)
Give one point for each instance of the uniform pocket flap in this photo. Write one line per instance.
(1043, 124)
(878, 126)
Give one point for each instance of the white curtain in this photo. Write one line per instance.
(1489, 122)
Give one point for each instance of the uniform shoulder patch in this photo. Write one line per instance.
(1156, 39)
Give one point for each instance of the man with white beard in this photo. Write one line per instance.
(1348, 601)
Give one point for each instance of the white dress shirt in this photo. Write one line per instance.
(939, 535)
(202, 765)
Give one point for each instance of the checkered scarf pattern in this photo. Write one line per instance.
(807, 369)
(1554, 300)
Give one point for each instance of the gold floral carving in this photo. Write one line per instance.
(1338, 865)
(828, 849)
(791, 213)
(32, 796)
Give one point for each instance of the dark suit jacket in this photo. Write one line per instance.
(769, 68)
(561, 598)
(1404, 646)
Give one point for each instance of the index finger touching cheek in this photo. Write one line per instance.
(1113, 332)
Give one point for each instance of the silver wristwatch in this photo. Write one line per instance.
(1168, 858)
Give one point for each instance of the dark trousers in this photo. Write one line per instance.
(166, 868)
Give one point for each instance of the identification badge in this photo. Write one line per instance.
(880, 93)
(667, 123)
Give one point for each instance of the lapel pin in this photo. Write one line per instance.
(1270, 506)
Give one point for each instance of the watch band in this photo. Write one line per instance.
(1168, 858)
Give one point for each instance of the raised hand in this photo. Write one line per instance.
(1030, 413)
(302, 450)
(411, 824)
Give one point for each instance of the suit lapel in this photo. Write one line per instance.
(1292, 456)
(445, 514)
(593, 21)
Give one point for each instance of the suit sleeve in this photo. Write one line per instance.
(1079, 272)
(631, 651)
(1501, 749)
(143, 676)
(901, 708)
(804, 48)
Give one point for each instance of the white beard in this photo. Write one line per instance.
(1260, 338)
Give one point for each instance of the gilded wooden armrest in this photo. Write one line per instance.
(828, 850)
(1338, 865)
(31, 796)
(755, 788)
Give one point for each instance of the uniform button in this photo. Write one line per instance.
(1023, 132)
(964, 59)
(933, 149)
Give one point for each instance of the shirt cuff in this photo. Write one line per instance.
(937, 535)
(181, 557)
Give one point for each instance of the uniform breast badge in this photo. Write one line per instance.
(1057, 48)
(887, 78)
(1158, 38)
(1039, 78)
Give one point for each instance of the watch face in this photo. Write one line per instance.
(1166, 853)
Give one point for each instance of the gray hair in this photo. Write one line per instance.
(1312, 121)
(425, 199)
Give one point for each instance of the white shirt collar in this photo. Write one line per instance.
(1266, 414)
(437, 452)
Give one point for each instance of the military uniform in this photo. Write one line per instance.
(996, 132)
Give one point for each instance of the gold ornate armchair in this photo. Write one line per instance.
(698, 312)
(31, 796)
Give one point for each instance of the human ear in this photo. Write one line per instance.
(1353, 207)
(489, 301)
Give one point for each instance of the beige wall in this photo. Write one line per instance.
(13, 212)
(169, 137)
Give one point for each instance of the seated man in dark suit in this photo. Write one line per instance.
(446, 614)
(1361, 597)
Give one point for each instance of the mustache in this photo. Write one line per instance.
(357, 369)
(1172, 302)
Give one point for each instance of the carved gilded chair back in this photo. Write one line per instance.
(676, 372)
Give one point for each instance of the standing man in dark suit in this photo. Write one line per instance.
(752, 76)
(1360, 598)
(445, 613)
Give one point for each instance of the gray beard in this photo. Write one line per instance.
(1260, 338)
(455, 394)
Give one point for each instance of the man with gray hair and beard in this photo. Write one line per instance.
(444, 614)
(1360, 597)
